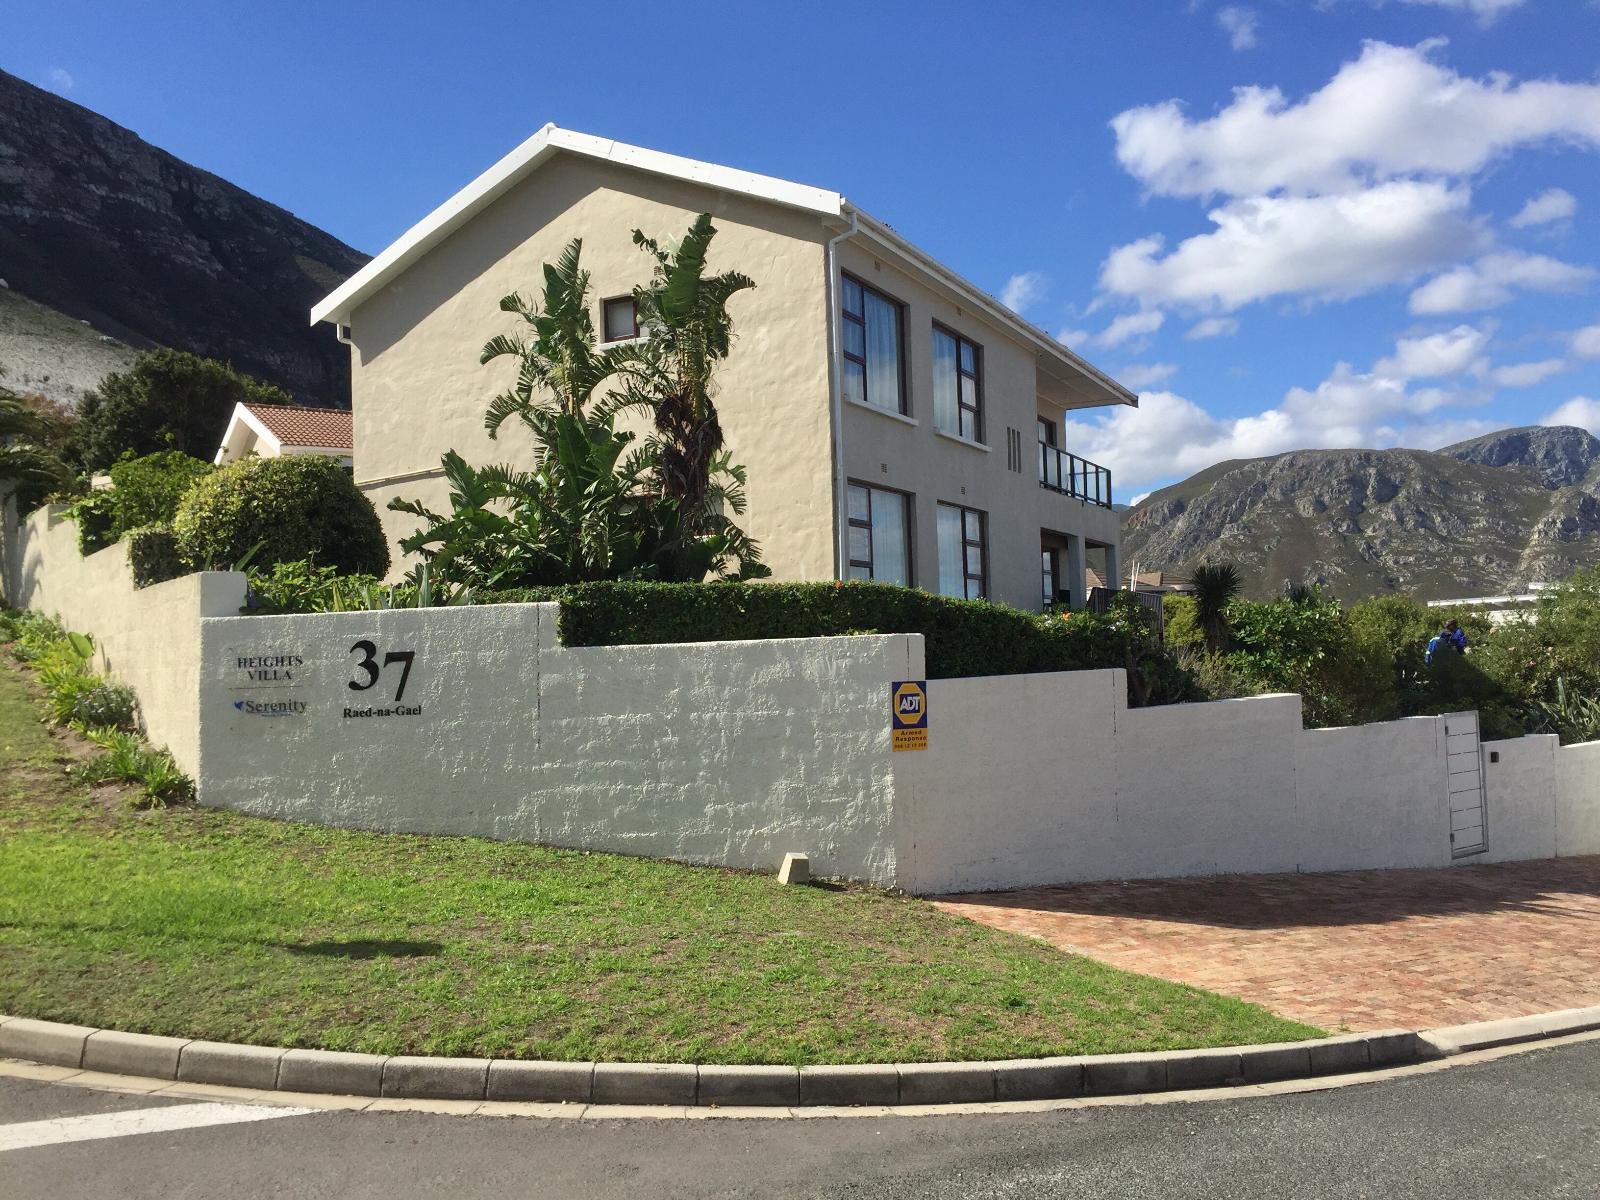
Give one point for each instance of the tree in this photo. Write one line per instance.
(167, 400)
(29, 465)
(1216, 585)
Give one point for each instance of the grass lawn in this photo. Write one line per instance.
(214, 925)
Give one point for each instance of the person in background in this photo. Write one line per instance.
(1451, 635)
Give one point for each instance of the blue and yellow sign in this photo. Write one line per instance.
(908, 714)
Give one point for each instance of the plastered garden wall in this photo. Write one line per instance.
(475, 721)
(147, 638)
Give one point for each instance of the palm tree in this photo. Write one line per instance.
(25, 459)
(1216, 585)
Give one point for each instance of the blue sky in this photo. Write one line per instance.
(1285, 222)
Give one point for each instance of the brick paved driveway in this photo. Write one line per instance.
(1359, 949)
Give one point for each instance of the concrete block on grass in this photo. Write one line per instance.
(331, 1073)
(1266, 1064)
(1038, 1079)
(132, 1054)
(424, 1077)
(644, 1083)
(44, 1041)
(749, 1086)
(1204, 1069)
(230, 1065)
(946, 1083)
(1124, 1074)
(1338, 1055)
(550, 1082)
(849, 1085)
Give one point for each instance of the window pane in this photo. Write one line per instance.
(974, 560)
(974, 589)
(968, 363)
(969, 425)
(852, 297)
(855, 382)
(890, 559)
(974, 526)
(944, 382)
(1047, 432)
(858, 502)
(883, 353)
(951, 581)
(855, 339)
(619, 319)
(860, 544)
(860, 573)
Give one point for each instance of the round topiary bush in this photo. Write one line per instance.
(292, 508)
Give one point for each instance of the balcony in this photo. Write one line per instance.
(1074, 476)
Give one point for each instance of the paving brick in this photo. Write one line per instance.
(849, 1085)
(946, 1083)
(132, 1054)
(44, 1041)
(1360, 950)
(424, 1077)
(1038, 1079)
(644, 1083)
(1339, 1055)
(541, 1081)
(1120, 1074)
(728, 1086)
(234, 1066)
(331, 1073)
(1203, 1069)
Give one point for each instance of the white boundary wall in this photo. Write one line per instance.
(147, 638)
(739, 752)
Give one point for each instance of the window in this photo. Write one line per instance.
(1048, 571)
(961, 552)
(874, 359)
(957, 396)
(1047, 431)
(621, 319)
(880, 547)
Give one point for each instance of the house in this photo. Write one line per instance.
(274, 429)
(897, 422)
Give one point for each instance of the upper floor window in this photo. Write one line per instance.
(957, 390)
(880, 544)
(962, 552)
(620, 318)
(873, 350)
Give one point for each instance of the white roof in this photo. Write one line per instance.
(455, 212)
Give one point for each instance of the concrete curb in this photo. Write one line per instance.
(684, 1084)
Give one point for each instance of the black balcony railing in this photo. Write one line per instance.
(1074, 476)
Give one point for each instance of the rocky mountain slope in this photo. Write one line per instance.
(1486, 516)
(108, 245)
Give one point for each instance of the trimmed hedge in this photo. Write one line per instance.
(153, 554)
(281, 510)
(963, 637)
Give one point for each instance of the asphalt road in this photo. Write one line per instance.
(1527, 1125)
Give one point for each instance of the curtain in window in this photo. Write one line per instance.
(883, 353)
(952, 573)
(945, 416)
(890, 560)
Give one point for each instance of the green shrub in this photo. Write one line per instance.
(153, 555)
(300, 587)
(279, 510)
(1181, 617)
(96, 518)
(1306, 645)
(126, 759)
(91, 700)
(35, 634)
(147, 491)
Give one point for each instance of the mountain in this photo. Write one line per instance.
(1483, 517)
(109, 245)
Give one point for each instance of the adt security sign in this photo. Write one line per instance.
(908, 714)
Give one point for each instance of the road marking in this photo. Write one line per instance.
(57, 1130)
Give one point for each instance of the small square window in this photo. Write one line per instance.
(621, 319)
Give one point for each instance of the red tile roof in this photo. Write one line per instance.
(328, 428)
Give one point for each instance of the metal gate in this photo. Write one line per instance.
(1469, 816)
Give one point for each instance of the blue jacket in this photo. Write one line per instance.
(1445, 637)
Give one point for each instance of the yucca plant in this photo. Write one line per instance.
(1216, 585)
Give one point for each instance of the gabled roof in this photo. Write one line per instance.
(283, 426)
(828, 206)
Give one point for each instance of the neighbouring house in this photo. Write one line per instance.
(270, 430)
(898, 423)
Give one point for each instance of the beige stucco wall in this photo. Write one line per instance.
(911, 455)
(418, 389)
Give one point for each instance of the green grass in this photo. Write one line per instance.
(214, 925)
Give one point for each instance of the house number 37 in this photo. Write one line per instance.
(370, 667)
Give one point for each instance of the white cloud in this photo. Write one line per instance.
(1123, 329)
(1435, 355)
(1528, 374)
(1492, 281)
(1487, 11)
(1023, 291)
(1586, 342)
(1240, 24)
(1143, 375)
(1556, 204)
(1392, 112)
(1580, 411)
(60, 80)
(1322, 247)
(1213, 327)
